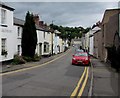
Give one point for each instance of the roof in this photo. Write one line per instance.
(57, 32)
(77, 39)
(97, 31)
(39, 28)
(21, 22)
(96, 28)
(18, 21)
(108, 13)
(3, 5)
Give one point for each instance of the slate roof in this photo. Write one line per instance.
(3, 5)
(19, 22)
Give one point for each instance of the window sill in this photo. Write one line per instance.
(4, 25)
(19, 38)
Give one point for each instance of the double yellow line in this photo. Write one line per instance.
(79, 90)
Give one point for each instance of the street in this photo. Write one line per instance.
(60, 49)
(57, 78)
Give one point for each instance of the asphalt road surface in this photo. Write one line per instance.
(58, 78)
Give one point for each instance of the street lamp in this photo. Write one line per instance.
(52, 31)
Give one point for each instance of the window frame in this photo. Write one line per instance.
(3, 17)
(18, 31)
(5, 40)
(46, 47)
(4, 46)
(18, 49)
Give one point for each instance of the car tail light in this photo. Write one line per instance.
(86, 58)
(74, 58)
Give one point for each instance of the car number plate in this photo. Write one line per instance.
(80, 61)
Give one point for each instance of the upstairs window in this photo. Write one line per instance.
(3, 16)
(3, 47)
(18, 49)
(18, 29)
(3, 43)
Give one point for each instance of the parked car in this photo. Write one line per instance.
(81, 58)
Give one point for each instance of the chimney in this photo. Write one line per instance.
(41, 23)
(45, 26)
(36, 19)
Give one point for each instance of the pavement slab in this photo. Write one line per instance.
(105, 79)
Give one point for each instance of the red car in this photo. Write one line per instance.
(81, 58)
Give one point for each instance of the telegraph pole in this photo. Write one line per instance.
(52, 37)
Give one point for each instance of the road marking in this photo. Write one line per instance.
(91, 83)
(74, 93)
(83, 86)
(20, 70)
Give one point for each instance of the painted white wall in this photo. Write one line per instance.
(50, 42)
(18, 38)
(91, 39)
(9, 34)
(87, 40)
(83, 42)
(40, 40)
(60, 44)
(55, 44)
(91, 47)
(47, 39)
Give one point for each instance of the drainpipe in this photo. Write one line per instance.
(52, 41)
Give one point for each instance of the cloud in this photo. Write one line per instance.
(64, 13)
(60, 0)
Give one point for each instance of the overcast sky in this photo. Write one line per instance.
(64, 13)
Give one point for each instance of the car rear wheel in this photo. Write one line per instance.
(88, 64)
(72, 63)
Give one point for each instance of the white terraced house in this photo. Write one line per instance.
(11, 34)
(7, 34)
(18, 28)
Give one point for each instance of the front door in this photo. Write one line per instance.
(40, 49)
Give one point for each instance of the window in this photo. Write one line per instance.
(55, 35)
(3, 16)
(3, 46)
(103, 31)
(18, 31)
(44, 34)
(46, 47)
(18, 49)
(81, 54)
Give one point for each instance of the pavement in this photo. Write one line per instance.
(106, 81)
(9, 67)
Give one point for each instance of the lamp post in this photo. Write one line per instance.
(52, 41)
(52, 31)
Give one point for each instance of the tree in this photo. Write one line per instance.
(29, 36)
(70, 32)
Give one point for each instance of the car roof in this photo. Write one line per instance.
(81, 53)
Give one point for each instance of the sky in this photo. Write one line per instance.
(72, 14)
